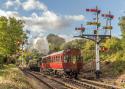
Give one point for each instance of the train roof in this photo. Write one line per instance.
(55, 53)
(60, 52)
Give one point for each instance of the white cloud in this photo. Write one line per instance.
(26, 5)
(75, 17)
(48, 20)
(13, 3)
(34, 4)
(9, 14)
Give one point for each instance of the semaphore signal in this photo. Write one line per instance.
(97, 34)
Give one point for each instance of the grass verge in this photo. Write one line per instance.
(12, 78)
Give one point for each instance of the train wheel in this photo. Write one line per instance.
(76, 75)
(71, 75)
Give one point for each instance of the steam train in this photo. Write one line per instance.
(67, 62)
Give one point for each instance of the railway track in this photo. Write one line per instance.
(82, 83)
(106, 86)
(48, 82)
(66, 83)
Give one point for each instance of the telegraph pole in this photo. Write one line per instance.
(96, 35)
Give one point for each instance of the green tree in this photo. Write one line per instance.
(12, 35)
(122, 26)
(114, 49)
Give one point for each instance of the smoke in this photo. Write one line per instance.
(41, 45)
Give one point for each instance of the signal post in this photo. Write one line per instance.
(97, 34)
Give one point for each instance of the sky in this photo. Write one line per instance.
(60, 17)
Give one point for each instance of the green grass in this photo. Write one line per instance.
(12, 78)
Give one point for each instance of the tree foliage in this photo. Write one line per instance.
(55, 42)
(11, 35)
(122, 26)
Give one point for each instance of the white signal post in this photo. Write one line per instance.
(97, 45)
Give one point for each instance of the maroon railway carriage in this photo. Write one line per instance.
(67, 62)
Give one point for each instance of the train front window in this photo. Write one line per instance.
(74, 58)
(79, 58)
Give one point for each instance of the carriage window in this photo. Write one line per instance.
(48, 60)
(51, 59)
(59, 58)
(54, 58)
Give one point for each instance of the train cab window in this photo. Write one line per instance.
(78, 57)
(67, 58)
(74, 58)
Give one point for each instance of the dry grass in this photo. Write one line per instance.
(12, 78)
